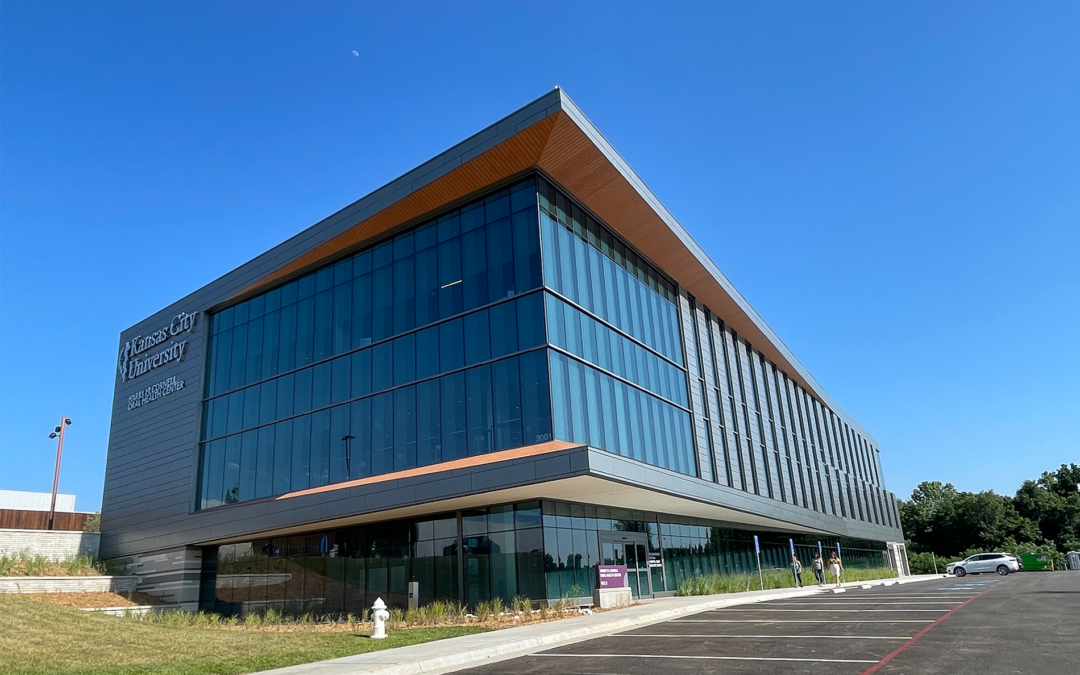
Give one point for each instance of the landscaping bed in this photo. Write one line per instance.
(711, 584)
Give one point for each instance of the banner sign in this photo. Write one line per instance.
(757, 547)
(791, 542)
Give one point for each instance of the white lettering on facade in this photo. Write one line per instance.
(154, 392)
(131, 366)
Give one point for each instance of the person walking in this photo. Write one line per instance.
(836, 567)
(796, 569)
(818, 565)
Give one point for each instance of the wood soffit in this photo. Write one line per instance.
(559, 147)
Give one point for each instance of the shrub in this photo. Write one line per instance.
(25, 564)
(93, 523)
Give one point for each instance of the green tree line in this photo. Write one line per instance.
(1043, 517)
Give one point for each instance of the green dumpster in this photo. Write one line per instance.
(1035, 561)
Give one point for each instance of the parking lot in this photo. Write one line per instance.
(1024, 623)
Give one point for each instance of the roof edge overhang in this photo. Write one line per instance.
(553, 136)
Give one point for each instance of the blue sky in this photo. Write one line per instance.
(894, 187)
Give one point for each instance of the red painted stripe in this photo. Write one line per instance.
(893, 654)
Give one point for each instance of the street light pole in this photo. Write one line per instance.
(59, 433)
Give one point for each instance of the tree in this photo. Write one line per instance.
(1044, 515)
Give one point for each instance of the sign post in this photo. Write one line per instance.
(757, 555)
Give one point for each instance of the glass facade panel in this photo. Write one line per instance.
(515, 319)
(580, 404)
(342, 342)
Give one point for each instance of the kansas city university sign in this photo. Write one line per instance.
(142, 354)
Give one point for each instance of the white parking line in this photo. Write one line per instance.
(853, 602)
(819, 610)
(708, 658)
(799, 621)
(776, 637)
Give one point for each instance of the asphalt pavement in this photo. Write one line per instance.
(1023, 623)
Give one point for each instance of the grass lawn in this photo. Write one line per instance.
(39, 637)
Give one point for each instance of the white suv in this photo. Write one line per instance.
(1002, 563)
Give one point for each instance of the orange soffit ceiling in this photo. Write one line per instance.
(559, 147)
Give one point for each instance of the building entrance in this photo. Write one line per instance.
(630, 549)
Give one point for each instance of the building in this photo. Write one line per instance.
(487, 376)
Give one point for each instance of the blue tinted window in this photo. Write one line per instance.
(264, 476)
(360, 446)
(361, 311)
(404, 428)
(405, 359)
(382, 433)
(320, 386)
(302, 389)
(477, 338)
(427, 353)
(283, 439)
(324, 279)
(301, 453)
(474, 269)
(507, 405)
(478, 410)
(472, 217)
(382, 255)
(503, 327)
(320, 448)
(268, 402)
(300, 348)
(454, 432)
(340, 443)
(428, 423)
(340, 379)
(231, 482)
(451, 345)
(404, 295)
(403, 246)
(249, 449)
(382, 366)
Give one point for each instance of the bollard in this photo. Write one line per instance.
(379, 615)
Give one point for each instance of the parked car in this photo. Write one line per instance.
(1002, 563)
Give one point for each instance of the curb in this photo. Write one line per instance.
(474, 656)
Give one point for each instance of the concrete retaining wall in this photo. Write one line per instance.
(54, 545)
(67, 584)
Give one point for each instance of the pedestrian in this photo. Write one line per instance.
(796, 569)
(818, 565)
(836, 567)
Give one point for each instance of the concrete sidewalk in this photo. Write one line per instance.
(445, 656)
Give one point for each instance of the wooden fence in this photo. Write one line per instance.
(39, 520)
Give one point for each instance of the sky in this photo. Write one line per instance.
(895, 187)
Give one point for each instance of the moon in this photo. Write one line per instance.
(356, 53)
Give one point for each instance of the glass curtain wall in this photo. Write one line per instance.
(618, 382)
(343, 571)
(540, 550)
(386, 360)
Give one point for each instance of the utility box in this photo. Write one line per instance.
(414, 594)
(1032, 561)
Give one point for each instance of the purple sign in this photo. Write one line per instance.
(611, 576)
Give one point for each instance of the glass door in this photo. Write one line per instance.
(630, 549)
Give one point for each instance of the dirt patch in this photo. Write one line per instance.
(94, 600)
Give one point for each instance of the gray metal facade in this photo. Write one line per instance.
(151, 475)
